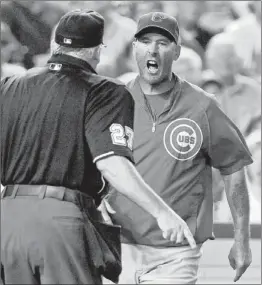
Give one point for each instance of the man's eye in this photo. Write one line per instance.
(144, 41)
(163, 43)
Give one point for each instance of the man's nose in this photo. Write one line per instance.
(153, 48)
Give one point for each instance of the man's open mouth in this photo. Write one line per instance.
(152, 66)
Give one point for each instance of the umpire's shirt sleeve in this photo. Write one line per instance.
(227, 148)
(109, 122)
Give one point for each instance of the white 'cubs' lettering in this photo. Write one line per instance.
(130, 135)
(186, 139)
(118, 135)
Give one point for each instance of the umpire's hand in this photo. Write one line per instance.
(174, 228)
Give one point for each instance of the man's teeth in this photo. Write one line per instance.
(152, 62)
(152, 66)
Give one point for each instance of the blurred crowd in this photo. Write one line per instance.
(221, 53)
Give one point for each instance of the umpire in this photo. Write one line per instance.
(55, 127)
(63, 129)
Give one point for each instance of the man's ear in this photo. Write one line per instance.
(134, 43)
(97, 52)
(177, 52)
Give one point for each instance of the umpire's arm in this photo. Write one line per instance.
(124, 177)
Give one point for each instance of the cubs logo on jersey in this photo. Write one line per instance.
(183, 139)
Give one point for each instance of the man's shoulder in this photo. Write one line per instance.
(196, 96)
(35, 71)
(112, 81)
(13, 76)
(108, 86)
(131, 83)
(98, 79)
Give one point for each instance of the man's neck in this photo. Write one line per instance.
(155, 89)
(90, 61)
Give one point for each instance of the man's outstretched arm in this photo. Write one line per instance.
(123, 176)
(238, 199)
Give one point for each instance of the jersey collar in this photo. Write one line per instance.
(68, 60)
(138, 94)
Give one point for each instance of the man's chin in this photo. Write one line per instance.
(153, 79)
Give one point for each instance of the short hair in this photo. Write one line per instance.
(55, 49)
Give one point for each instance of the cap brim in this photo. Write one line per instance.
(146, 28)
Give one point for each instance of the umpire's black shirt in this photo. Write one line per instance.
(58, 120)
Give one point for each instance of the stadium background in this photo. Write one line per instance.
(26, 30)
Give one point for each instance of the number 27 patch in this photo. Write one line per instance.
(122, 135)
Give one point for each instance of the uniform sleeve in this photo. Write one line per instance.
(109, 123)
(227, 148)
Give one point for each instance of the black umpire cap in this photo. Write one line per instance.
(80, 29)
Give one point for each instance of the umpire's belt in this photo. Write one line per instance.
(104, 239)
(48, 191)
